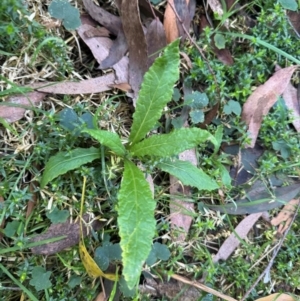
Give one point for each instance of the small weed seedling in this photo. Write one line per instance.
(136, 205)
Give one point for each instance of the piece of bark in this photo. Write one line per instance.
(71, 230)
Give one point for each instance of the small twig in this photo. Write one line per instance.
(195, 44)
(273, 257)
(202, 287)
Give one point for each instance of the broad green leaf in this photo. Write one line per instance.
(156, 92)
(233, 107)
(289, 4)
(196, 100)
(40, 278)
(158, 252)
(197, 116)
(136, 222)
(106, 253)
(219, 41)
(11, 228)
(111, 140)
(188, 174)
(58, 216)
(66, 161)
(167, 145)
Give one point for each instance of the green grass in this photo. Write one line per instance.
(29, 143)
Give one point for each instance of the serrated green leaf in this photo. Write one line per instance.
(156, 92)
(197, 116)
(109, 139)
(219, 41)
(188, 174)
(40, 278)
(58, 216)
(66, 161)
(63, 10)
(136, 222)
(167, 145)
(289, 4)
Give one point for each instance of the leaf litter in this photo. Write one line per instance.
(114, 53)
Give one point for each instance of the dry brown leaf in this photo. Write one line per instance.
(202, 287)
(294, 19)
(88, 86)
(116, 52)
(156, 40)
(100, 47)
(263, 98)
(147, 10)
(101, 297)
(96, 32)
(70, 230)
(172, 26)
(291, 100)
(278, 297)
(285, 216)
(137, 44)
(232, 242)
(12, 113)
(223, 55)
(108, 20)
(123, 87)
(31, 203)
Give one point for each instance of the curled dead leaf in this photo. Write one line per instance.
(263, 98)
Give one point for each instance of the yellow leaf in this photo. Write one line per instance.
(277, 297)
(90, 265)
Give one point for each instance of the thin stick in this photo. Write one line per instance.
(202, 287)
(195, 44)
(273, 257)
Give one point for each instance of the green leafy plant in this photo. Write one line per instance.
(136, 204)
